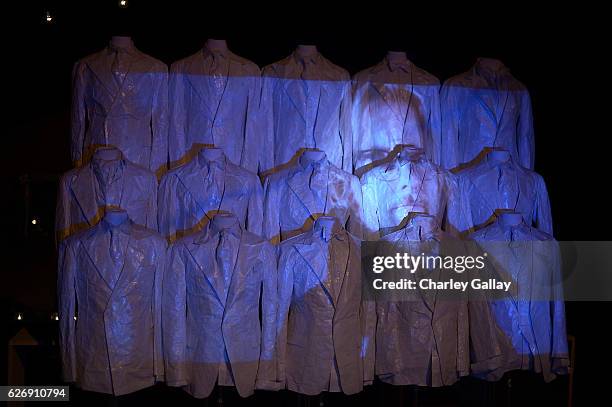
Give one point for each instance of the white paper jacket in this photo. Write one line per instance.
(211, 320)
(215, 96)
(394, 102)
(532, 318)
(320, 312)
(448, 336)
(189, 195)
(498, 183)
(409, 183)
(120, 98)
(296, 196)
(306, 103)
(486, 107)
(113, 343)
(108, 181)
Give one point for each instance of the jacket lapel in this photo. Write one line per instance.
(299, 185)
(294, 89)
(245, 266)
(316, 260)
(207, 266)
(88, 246)
(193, 180)
(100, 65)
(198, 78)
(129, 263)
(87, 194)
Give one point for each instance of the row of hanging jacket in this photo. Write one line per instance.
(291, 199)
(223, 307)
(263, 119)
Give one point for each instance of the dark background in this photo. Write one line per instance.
(560, 55)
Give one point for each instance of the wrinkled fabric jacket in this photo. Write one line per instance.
(215, 98)
(319, 313)
(449, 336)
(534, 321)
(128, 109)
(292, 202)
(190, 194)
(114, 345)
(497, 184)
(307, 108)
(86, 192)
(486, 107)
(421, 341)
(211, 317)
(394, 104)
(409, 183)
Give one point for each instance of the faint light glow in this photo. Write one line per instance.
(49, 17)
(34, 221)
(123, 3)
(19, 316)
(55, 316)
(74, 318)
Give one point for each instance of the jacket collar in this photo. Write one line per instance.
(298, 182)
(101, 64)
(202, 252)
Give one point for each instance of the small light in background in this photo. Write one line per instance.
(49, 17)
(55, 316)
(34, 221)
(74, 317)
(19, 316)
(123, 3)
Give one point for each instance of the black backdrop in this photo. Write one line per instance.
(559, 54)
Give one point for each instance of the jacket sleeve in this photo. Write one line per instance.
(525, 133)
(271, 213)
(559, 354)
(66, 290)
(355, 221)
(254, 135)
(166, 206)
(267, 373)
(346, 133)
(450, 117)
(255, 208)
(152, 206)
(286, 266)
(177, 109)
(368, 319)
(542, 216)
(78, 115)
(174, 319)
(435, 125)
(265, 127)
(159, 124)
(160, 263)
(370, 208)
(62, 210)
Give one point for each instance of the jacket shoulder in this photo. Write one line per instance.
(180, 65)
(462, 80)
(277, 68)
(338, 73)
(251, 67)
(422, 77)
